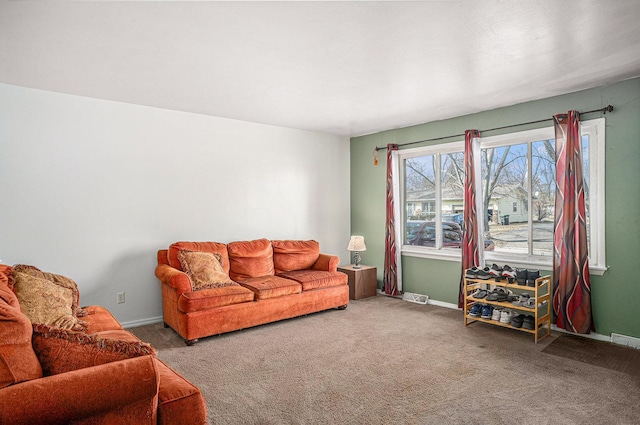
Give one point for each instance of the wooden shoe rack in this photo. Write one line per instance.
(541, 312)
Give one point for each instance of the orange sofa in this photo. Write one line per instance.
(263, 281)
(100, 375)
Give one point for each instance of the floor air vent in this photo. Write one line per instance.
(415, 298)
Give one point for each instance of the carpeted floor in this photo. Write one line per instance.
(388, 361)
(597, 353)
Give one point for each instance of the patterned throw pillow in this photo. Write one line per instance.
(42, 301)
(62, 351)
(204, 269)
(59, 280)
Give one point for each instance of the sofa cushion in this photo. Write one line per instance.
(100, 319)
(57, 279)
(314, 279)
(117, 334)
(266, 287)
(62, 350)
(18, 361)
(213, 247)
(43, 301)
(294, 255)
(188, 302)
(204, 269)
(250, 259)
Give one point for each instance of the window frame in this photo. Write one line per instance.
(597, 254)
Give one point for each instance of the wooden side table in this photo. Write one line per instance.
(363, 281)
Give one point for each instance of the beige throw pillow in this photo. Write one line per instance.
(42, 301)
(204, 269)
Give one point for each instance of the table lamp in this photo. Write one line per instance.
(356, 244)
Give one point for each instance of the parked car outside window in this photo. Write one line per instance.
(423, 233)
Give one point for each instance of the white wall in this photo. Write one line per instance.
(91, 189)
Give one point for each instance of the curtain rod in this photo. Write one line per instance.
(606, 109)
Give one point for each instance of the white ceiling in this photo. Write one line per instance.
(345, 68)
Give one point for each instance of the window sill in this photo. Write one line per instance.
(491, 257)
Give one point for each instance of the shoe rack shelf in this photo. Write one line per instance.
(541, 312)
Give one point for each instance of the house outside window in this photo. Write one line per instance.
(516, 188)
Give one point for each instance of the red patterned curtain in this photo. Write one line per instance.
(470, 234)
(390, 277)
(571, 283)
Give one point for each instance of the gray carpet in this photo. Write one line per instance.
(597, 353)
(388, 361)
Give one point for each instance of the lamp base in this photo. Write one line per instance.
(356, 260)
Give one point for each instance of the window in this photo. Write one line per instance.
(516, 188)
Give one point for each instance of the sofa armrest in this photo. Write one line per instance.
(84, 393)
(326, 262)
(175, 278)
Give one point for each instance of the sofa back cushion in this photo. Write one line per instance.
(61, 351)
(212, 247)
(18, 361)
(291, 255)
(250, 259)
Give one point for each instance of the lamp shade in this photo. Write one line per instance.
(356, 243)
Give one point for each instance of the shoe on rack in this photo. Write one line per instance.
(532, 275)
(471, 273)
(498, 294)
(530, 303)
(521, 276)
(522, 300)
(480, 293)
(496, 314)
(516, 320)
(529, 322)
(487, 311)
(484, 274)
(508, 272)
(496, 271)
(475, 310)
(506, 316)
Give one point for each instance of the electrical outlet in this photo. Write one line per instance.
(121, 298)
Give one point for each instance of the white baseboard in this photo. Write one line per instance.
(592, 335)
(443, 304)
(141, 322)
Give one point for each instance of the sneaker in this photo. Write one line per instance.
(508, 272)
(484, 274)
(471, 273)
(532, 275)
(516, 320)
(496, 271)
(487, 311)
(521, 276)
(476, 310)
(529, 323)
(496, 314)
(506, 316)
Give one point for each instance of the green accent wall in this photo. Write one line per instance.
(616, 294)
